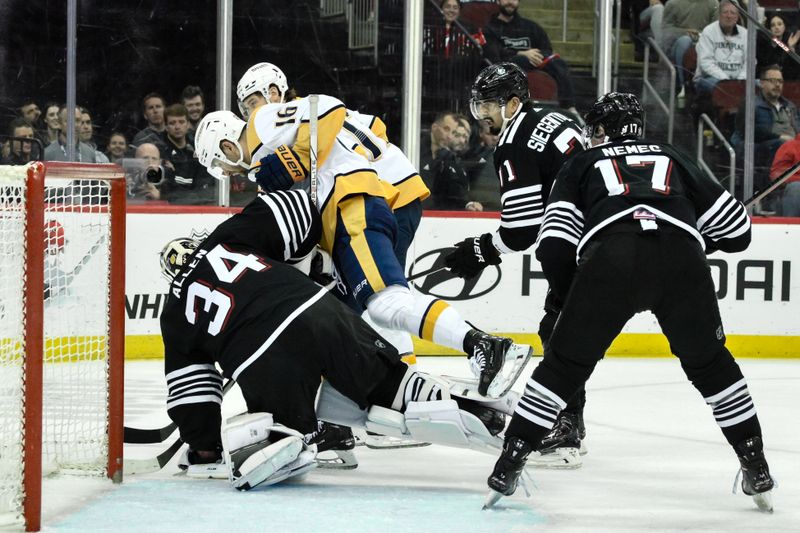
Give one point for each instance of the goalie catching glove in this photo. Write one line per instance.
(278, 171)
(472, 255)
(258, 451)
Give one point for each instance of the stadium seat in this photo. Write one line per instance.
(542, 86)
(726, 98)
(791, 91)
(478, 13)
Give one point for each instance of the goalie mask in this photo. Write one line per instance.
(494, 87)
(258, 79)
(214, 128)
(176, 254)
(619, 114)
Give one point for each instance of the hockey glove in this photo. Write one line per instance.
(472, 255)
(278, 171)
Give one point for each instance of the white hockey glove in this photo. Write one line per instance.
(200, 468)
(253, 459)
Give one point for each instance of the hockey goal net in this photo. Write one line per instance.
(62, 245)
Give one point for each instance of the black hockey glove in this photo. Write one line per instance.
(472, 255)
(279, 171)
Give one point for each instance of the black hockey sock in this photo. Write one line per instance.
(384, 392)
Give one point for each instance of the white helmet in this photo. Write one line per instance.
(214, 128)
(176, 254)
(258, 79)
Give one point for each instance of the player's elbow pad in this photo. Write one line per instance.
(732, 245)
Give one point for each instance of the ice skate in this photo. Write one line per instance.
(756, 479)
(496, 361)
(338, 441)
(563, 447)
(508, 470)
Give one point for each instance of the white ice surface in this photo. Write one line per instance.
(656, 462)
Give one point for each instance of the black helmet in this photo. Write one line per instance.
(499, 82)
(620, 114)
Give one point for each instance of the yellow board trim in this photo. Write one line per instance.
(626, 345)
(354, 217)
(429, 320)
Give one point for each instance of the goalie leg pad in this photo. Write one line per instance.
(335, 407)
(258, 464)
(253, 460)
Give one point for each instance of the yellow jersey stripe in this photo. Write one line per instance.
(354, 217)
(430, 317)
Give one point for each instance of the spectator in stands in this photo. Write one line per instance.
(51, 122)
(19, 152)
(786, 157)
(453, 53)
(144, 173)
(478, 162)
(681, 24)
(775, 123)
(645, 24)
(193, 100)
(448, 181)
(153, 110)
(188, 183)
(720, 50)
(768, 53)
(57, 151)
(117, 147)
(30, 111)
(86, 135)
(442, 130)
(510, 37)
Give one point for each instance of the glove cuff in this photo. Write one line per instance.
(291, 162)
(489, 251)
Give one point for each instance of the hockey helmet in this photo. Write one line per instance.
(258, 79)
(620, 115)
(214, 128)
(497, 84)
(176, 254)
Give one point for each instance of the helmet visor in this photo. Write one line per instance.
(483, 109)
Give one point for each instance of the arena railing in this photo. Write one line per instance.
(702, 124)
(648, 88)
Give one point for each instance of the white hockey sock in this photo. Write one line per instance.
(425, 316)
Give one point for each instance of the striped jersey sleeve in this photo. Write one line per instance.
(294, 217)
(562, 220)
(198, 383)
(725, 219)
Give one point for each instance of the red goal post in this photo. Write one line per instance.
(62, 303)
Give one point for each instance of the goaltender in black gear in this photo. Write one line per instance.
(639, 217)
(235, 301)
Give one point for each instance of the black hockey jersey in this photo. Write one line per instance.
(645, 184)
(530, 152)
(230, 301)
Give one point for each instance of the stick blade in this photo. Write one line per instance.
(492, 498)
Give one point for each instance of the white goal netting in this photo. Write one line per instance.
(75, 361)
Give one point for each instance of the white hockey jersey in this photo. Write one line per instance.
(345, 154)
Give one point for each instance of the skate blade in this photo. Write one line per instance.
(584, 450)
(492, 498)
(558, 459)
(383, 442)
(763, 501)
(344, 460)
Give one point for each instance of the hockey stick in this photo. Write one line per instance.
(76, 270)
(432, 270)
(154, 464)
(313, 100)
(772, 186)
(758, 26)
